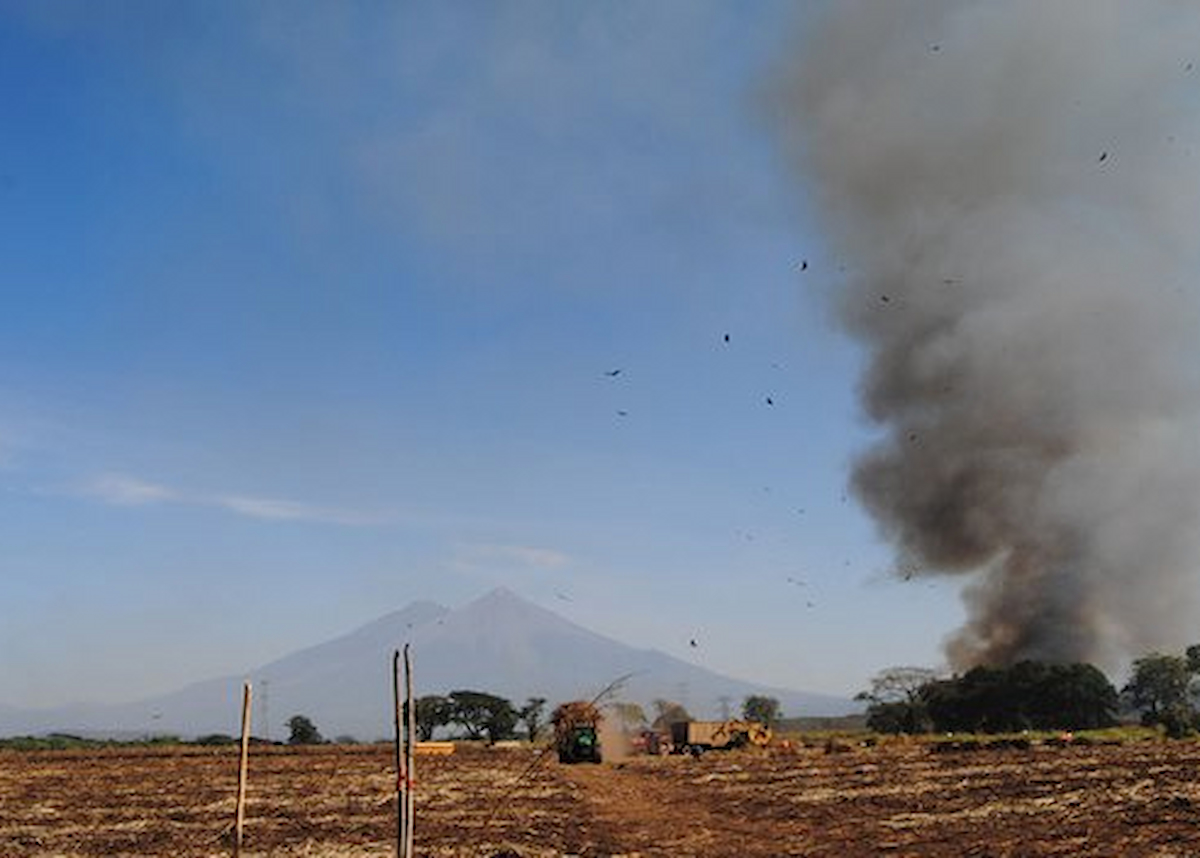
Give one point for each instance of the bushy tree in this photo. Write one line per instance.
(759, 707)
(1162, 687)
(482, 714)
(896, 701)
(1078, 694)
(216, 739)
(1028, 695)
(433, 711)
(530, 716)
(303, 731)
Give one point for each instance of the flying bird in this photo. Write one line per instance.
(804, 265)
(1101, 159)
(727, 338)
(770, 401)
(693, 643)
(613, 373)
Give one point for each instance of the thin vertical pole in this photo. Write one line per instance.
(400, 775)
(262, 708)
(242, 767)
(409, 763)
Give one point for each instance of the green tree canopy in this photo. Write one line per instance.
(482, 714)
(530, 716)
(1162, 687)
(896, 702)
(303, 731)
(1027, 695)
(759, 707)
(898, 684)
(433, 711)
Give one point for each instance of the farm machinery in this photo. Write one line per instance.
(696, 737)
(576, 736)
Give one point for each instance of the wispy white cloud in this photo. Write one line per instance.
(273, 509)
(124, 490)
(486, 554)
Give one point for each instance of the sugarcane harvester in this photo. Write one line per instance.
(696, 737)
(576, 732)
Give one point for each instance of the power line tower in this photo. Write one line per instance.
(264, 724)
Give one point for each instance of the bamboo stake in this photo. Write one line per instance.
(410, 760)
(400, 759)
(241, 794)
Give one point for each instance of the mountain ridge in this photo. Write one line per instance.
(499, 643)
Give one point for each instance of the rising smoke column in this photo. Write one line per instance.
(1014, 191)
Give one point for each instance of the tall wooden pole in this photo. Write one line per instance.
(242, 767)
(400, 757)
(410, 734)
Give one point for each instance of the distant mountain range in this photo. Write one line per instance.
(499, 643)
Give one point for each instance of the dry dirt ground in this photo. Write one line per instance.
(896, 800)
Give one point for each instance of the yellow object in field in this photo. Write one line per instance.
(699, 736)
(434, 749)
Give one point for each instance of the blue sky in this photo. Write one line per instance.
(311, 310)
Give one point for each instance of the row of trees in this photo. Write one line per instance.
(479, 714)
(1032, 695)
(486, 716)
(483, 716)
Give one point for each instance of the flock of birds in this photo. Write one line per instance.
(907, 573)
(616, 372)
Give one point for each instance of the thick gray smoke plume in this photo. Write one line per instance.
(1014, 190)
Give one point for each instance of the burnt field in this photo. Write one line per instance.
(897, 799)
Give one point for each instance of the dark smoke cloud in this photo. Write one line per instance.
(1014, 188)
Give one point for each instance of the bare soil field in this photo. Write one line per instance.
(899, 799)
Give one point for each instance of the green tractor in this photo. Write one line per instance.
(575, 735)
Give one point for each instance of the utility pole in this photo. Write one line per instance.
(265, 723)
